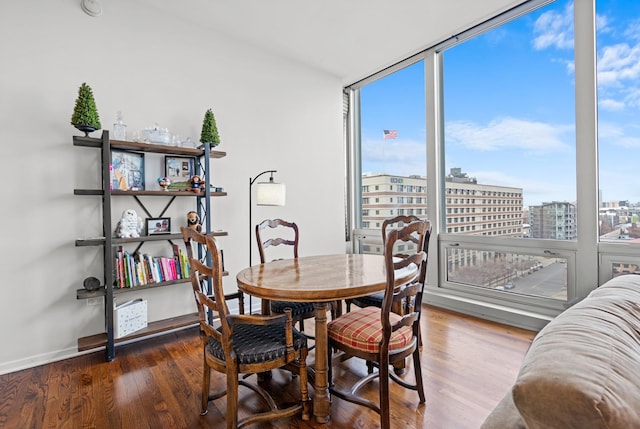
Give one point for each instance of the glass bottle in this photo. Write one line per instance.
(119, 128)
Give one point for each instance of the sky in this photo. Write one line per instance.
(509, 107)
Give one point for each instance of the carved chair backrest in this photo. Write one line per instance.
(411, 292)
(287, 233)
(202, 270)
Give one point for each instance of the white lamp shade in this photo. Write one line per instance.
(270, 194)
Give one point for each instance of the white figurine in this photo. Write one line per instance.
(129, 225)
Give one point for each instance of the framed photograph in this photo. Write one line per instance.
(179, 168)
(158, 225)
(127, 170)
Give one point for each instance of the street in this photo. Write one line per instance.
(549, 281)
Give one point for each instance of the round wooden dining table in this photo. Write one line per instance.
(319, 279)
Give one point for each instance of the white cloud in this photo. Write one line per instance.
(554, 29)
(399, 156)
(539, 189)
(633, 30)
(629, 142)
(610, 104)
(609, 130)
(616, 135)
(617, 63)
(509, 132)
(633, 97)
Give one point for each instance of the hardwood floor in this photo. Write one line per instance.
(468, 365)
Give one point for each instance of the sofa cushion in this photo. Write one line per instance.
(582, 370)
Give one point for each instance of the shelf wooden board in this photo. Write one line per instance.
(100, 340)
(157, 193)
(85, 294)
(145, 147)
(88, 192)
(99, 241)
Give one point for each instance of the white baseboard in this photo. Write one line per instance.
(496, 313)
(42, 359)
(55, 356)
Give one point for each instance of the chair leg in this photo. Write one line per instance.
(304, 387)
(336, 309)
(206, 380)
(370, 367)
(418, 374)
(385, 417)
(232, 398)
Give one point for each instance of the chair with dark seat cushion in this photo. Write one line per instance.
(381, 336)
(286, 235)
(243, 344)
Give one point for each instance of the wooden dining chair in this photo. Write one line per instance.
(376, 298)
(239, 345)
(283, 233)
(380, 336)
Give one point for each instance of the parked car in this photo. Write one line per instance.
(509, 285)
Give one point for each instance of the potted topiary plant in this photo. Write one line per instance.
(85, 114)
(209, 133)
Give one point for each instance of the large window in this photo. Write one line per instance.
(509, 127)
(509, 144)
(393, 162)
(509, 122)
(618, 59)
(520, 173)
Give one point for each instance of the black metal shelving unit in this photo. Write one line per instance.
(109, 243)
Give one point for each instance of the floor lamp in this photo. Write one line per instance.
(267, 194)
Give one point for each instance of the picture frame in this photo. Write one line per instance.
(158, 225)
(179, 169)
(127, 170)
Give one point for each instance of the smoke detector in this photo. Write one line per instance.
(91, 7)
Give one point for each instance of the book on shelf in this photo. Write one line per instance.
(176, 257)
(129, 269)
(119, 264)
(151, 278)
(156, 269)
(142, 269)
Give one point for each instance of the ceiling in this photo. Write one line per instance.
(350, 39)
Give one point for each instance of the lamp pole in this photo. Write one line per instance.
(251, 182)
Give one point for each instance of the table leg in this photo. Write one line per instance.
(321, 400)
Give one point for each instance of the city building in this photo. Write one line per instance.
(472, 208)
(555, 221)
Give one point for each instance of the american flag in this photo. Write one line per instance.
(390, 134)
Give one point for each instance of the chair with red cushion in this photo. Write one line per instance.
(376, 299)
(380, 336)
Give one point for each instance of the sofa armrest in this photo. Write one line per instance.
(504, 416)
(582, 370)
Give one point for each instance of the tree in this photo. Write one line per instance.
(85, 114)
(209, 129)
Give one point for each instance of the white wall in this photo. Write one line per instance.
(271, 114)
